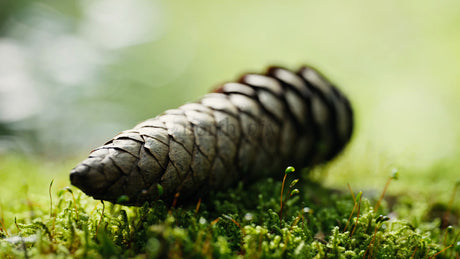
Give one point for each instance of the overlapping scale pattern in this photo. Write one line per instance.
(244, 130)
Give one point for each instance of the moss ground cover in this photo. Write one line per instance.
(43, 217)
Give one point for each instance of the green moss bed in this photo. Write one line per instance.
(245, 222)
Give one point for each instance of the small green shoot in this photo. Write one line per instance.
(294, 182)
(294, 192)
(123, 199)
(394, 176)
(197, 207)
(68, 189)
(51, 198)
(355, 205)
(360, 194)
(289, 170)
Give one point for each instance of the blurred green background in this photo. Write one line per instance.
(75, 73)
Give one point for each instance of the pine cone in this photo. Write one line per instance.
(241, 131)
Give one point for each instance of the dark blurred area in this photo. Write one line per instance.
(7, 9)
(75, 73)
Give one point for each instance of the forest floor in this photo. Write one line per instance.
(322, 214)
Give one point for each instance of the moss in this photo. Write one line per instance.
(244, 222)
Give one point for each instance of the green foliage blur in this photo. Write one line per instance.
(74, 73)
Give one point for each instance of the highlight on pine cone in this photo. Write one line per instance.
(244, 130)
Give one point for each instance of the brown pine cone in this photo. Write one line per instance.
(242, 131)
